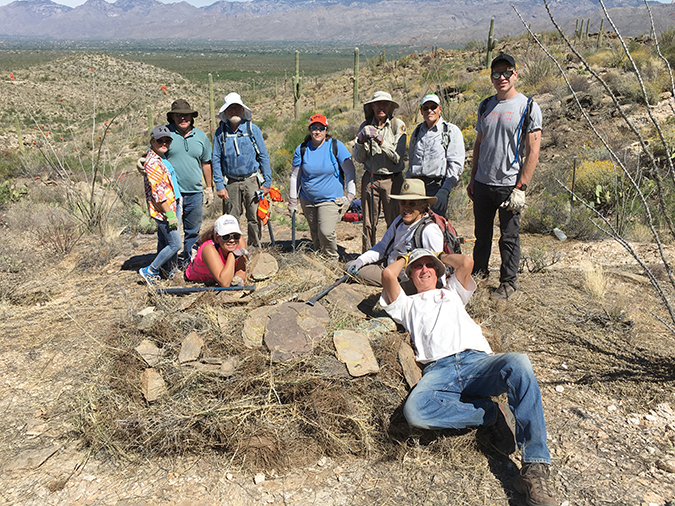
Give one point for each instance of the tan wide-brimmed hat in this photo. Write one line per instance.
(379, 96)
(422, 253)
(413, 189)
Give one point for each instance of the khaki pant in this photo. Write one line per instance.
(322, 219)
(242, 195)
(381, 189)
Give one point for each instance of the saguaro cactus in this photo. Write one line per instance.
(212, 109)
(297, 86)
(602, 23)
(490, 43)
(355, 101)
(151, 121)
(588, 25)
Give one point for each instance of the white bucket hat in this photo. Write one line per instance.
(234, 98)
(226, 224)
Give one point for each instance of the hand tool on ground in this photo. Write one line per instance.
(313, 300)
(194, 289)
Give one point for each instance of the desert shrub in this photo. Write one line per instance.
(11, 192)
(648, 64)
(475, 45)
(595, 182)
(463, 114)
(546, 212)
(58, 231)
(580, 83)
(537, 70)
(469, 133)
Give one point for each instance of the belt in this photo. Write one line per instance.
(384, 176)
(435, 179)
(235, 179)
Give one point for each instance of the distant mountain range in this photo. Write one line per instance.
(330, 21)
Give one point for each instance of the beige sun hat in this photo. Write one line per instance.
(421, 253)
(413, 189)
(379, 96)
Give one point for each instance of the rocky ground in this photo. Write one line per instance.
(605, 366)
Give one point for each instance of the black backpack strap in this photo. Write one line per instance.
(417, 236)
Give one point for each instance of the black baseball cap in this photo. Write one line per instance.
(503, 57)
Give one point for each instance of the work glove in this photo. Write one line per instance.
(237, 281)
(208, 196)
(406, 257)
(354, 267)
(241, 252)
(367, 132)
(515, 202)
(172, 219)
(350, 198)
(140, 165)
(440, 207)
(292, 205)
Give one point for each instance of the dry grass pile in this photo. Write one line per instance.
(263, 415)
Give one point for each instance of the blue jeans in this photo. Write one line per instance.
(192, 222)
(455, 392)
(168, 245)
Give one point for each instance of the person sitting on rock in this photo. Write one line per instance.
(399, 238)
(222, 255)
(461, 373)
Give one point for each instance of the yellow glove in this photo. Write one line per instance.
(438, 254)
(406, 257)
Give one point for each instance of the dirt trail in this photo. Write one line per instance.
(606, 371)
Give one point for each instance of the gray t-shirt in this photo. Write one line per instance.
(498, 164)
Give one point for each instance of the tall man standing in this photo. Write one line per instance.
(190, 155)
(508, 126)
(241, 165)
(380, 147)
(436, 153)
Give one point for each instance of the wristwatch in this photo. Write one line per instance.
(522, 186)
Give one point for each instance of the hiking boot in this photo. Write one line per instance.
(533, 482)
(150, 278)
(504, 292)
(500, 437)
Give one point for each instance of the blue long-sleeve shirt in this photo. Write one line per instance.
(234, 155)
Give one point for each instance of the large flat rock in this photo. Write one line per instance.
(411, 371)
(152, 385)
(190, 348)
(293, 328)
(353, 348)
(263, 266)
(255, 325)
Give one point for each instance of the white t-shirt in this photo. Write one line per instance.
(437, 321)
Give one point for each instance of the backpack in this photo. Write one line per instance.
(445, 136)
(451, 243)
(250, 135)
(341, 174)
(523, 125)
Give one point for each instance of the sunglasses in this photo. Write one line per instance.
(506, 73)
(230, 237)
(426, 108)
(164, 140)
(408, 203)
(429, 265)
(317, 128)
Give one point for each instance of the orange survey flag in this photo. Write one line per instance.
(275, 194)
(264, 210)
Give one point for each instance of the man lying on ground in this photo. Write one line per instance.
(461, 374)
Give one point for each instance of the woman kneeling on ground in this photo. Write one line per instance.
(222, 255)
(322, 169)
(163, 197)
